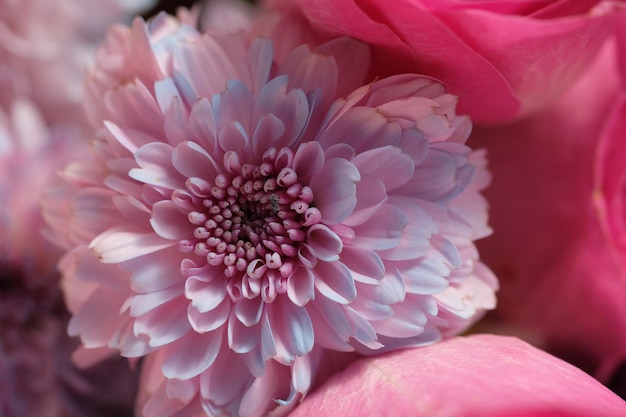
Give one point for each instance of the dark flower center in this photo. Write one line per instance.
(254, 221)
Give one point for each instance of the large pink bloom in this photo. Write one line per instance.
(557, 209)
(242, 219)
(481, 375)
(503, 59)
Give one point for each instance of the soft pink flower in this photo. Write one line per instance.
(481, 375)
(45, 46)
(248, 216)
(35, 350)
(503, 59)
(557, 211)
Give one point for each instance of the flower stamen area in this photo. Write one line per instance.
(252, 222)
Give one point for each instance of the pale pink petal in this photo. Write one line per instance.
(210, 320)
(164, 324)
(383, 230)
(363, 261)
(393, 167)
(191, 160)
(324, 242)
(300, 286)
(204, 295)
(335, 191)
(370, 195)
(119, 245)
(308, 159)
(191, 355)
(168, 221)
(334, 281)
(292, 329)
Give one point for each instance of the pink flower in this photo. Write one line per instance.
(556, 204)
(481, 375)
(35, 350)
(503, 59)
(247, 217)
(45, 46)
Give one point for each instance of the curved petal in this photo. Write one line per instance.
(168, 221)
(325, 243)
(384, 229)
(118, 245)
(191, 355)
(334, 281)
(453, 378)
(335, 191)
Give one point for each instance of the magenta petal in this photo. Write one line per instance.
(335, 190)
(453, 378)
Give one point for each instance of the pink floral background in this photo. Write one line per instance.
(313, 207)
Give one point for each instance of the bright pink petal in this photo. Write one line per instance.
(454, 377)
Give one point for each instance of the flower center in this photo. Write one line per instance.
(253, 222)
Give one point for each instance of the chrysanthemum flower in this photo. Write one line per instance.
(245, 215)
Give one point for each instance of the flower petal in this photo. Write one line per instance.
(335, 282)
(119, 245)
(168, 221)
(191, 355)
(335, 190)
